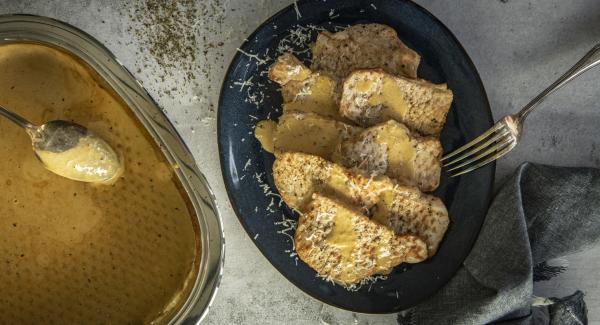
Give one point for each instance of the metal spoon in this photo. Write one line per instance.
(70, 150)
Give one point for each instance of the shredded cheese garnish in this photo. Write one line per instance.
(298, 14)
(259, 61)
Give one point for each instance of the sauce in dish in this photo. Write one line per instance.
(80, 253)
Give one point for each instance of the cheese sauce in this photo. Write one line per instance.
(316, 96)
(91, 160)
(264, 134)
(308, 133)
(401, 153)
(344, 237)
(78, 253)
(391, 97)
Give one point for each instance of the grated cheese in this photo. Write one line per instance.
(271, 204)
(259, 61)
(244, 83)
(288, 224)
(248, 164)
(298, 14)
(297, 39)
(370, 280)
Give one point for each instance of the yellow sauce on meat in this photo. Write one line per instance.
(307, 133)
(381, 214)
(391, 97)
(264, 134)
(337, 185)
(317, 96)
(401, 153)
(310, 134)
(383, 208)
(344, 237)
(74, 252)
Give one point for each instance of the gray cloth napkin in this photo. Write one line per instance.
(541, 213)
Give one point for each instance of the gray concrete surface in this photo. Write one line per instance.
(519, 47)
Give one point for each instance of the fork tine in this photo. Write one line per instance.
(497, 147)
(487, 161)
(477, 149)
(474, 141)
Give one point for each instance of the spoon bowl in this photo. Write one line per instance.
(70, 150)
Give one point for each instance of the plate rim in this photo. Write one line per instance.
(222, 152)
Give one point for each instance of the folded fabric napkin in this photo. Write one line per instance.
(540, 214)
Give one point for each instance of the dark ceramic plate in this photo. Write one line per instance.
(248, 96)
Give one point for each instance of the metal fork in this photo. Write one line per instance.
(505, 134)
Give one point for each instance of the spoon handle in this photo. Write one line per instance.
(15, 118)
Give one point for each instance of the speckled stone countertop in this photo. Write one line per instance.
(519, 47)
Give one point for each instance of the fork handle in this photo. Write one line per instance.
(590, 60)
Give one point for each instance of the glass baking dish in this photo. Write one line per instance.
(46, 31)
